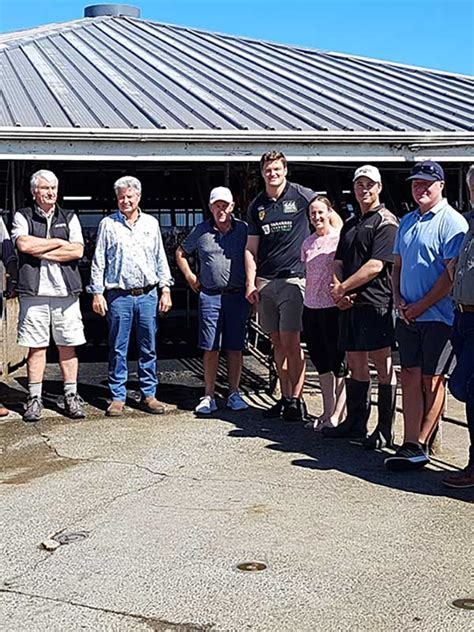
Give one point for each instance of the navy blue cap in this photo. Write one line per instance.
(427, 170)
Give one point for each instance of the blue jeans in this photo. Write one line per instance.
(461, 383)
(124, 312)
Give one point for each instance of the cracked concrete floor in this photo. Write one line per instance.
(172, 504)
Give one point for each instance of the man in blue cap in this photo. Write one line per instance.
(427, 241)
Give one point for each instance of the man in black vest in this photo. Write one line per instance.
(49, 243)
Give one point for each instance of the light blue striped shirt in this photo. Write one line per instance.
(128, 257)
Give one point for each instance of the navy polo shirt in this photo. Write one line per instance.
(282, 226)
(221, 255)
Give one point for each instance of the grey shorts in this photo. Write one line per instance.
(281, 304)
(425, 345)
(39, 315)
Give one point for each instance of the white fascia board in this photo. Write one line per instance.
(223, 136)
(211, 149)
(200, 158)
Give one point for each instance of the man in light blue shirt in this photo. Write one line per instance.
(129, 264)
(427, 240)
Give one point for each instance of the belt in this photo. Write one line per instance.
(136, 291)
(464, 308)
(288, 274)
(227, 290)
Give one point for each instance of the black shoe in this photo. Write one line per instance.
(277, 409)
(382, 436)
(296, 410)
(358, 412)
(346, 430)
(410, 456)
(73, 406)
(33, 409)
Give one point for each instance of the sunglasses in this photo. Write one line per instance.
(430, 170)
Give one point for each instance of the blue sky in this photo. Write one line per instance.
(431, 33)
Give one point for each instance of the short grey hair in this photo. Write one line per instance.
(42, 174)
(470, 175)
(128, 182)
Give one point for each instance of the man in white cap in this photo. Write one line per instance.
(362, 290)
(219, 244)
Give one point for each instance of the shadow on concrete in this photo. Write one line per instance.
(181, 385)
(348, 457)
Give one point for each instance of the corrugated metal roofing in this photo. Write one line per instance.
(129, 73)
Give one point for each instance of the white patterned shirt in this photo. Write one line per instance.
(128, 257)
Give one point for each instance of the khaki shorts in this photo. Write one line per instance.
(39, 315)
(281, 304)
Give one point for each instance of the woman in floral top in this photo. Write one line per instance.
(320, 314)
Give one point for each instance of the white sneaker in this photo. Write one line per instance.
(206, 406)
(235, 402)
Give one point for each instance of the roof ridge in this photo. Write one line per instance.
(10, 39)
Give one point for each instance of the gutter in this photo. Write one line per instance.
(420, 139)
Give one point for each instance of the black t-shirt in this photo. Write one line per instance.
(369, 236)
(282, 226)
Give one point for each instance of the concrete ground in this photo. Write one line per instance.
(159, 511)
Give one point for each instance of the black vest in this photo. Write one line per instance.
(29, 266)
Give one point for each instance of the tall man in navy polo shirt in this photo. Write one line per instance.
(427, 240)
(278, 225)
(219, 244)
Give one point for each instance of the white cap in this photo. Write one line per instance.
(221, 193)
(369, 171)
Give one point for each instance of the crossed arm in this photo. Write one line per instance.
(53, 249)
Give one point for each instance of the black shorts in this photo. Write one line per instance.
(425, 345)
(321, 330)
(366, 328)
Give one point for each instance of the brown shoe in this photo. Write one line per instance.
(115, 408)
(152, 405)
(3, 411)
(462, 480)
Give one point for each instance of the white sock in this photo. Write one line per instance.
(70, 388)
(35, 389)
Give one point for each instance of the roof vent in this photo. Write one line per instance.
(118, 10)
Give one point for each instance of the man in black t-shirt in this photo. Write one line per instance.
(362, 290)
(278, 225)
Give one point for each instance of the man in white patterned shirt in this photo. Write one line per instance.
(129, 264)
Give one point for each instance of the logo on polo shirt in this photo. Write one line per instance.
(277, 227)
(290, 206)
(261, 215)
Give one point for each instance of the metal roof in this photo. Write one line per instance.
(124, 73)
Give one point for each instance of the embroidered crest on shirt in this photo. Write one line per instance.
(290, 206)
